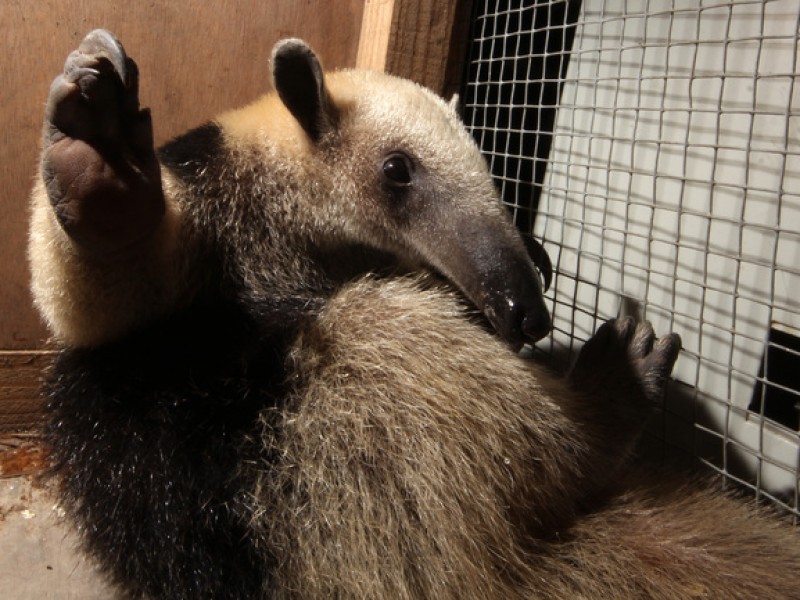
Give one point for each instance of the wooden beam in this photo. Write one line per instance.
(422, 40)
(376, 28)
(21, 403)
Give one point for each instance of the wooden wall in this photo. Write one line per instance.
(423, 40)
(196, 58)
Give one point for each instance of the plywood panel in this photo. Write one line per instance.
(197, 58)
(376, 29)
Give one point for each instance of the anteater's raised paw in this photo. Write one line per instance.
(624, 357)
(98, 161)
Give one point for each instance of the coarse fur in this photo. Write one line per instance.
(262, 394)
(401, 488)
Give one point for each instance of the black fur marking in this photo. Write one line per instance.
(189, 155)
(152, 439)
(225, 189)
(301, 86)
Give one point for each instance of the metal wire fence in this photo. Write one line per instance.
(654, 147)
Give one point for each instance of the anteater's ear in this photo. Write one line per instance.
(455, 103)
(299, 81)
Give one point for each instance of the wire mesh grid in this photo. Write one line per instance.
(654, 147)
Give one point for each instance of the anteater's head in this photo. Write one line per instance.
(408, 179)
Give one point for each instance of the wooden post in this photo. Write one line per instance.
(376, 29)
(422, 40)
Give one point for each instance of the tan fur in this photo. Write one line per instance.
(418, 454)
(265, 123)
(663, 537)
(87, 300)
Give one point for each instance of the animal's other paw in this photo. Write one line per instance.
(624, 357)
(98, 160)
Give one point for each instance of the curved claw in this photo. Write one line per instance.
(103, 43)
(541, 259)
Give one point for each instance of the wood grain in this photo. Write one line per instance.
(376, 29)
(424, 44)
(20, 376)
(422, 40)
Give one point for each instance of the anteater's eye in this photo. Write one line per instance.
(397, 169)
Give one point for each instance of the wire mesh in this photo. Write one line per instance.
(654, 147)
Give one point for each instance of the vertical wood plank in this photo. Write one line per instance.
(376, 29)
(454, 75)
(422, 40)
(426, 40)
(419, 39)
